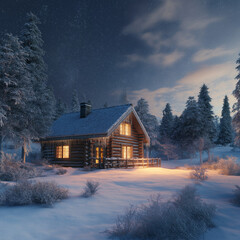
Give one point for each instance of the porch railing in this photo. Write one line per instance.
(124, 163)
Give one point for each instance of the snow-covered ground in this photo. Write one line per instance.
(86, 219)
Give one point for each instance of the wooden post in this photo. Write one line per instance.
(104, 163)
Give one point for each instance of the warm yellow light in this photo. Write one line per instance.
(62, 151)
(59, 152)
(66, 151)
(125, 129)
(126, 152)
(97, 154)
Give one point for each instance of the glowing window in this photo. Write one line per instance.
(125, 129)
(62, 151)
(126, 152)
(97, 154)
(66, 151)
(59, 152)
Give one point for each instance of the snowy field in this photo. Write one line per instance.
(86, 219)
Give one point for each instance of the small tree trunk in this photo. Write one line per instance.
(209, 155)
(24, 152)
(200, 155)
(1, 148)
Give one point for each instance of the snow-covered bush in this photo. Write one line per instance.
(236, 199)
(185, 216)
(90, 189)
(12, 169)
(61, 171)
(199, 173)
(26, 193)
(48, 193)
(227, 166)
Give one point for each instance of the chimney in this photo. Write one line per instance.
(86, 109)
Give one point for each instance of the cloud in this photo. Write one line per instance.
(188, 16)
(165, 12)
(206, 54)
(219, 78)
(157, 59)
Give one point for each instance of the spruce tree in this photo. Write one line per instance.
(43, 102)
(226, 133)
(236, 106)
(149, 121)
(207, 116)
(191, 128)
(165, 129)
(15, 92)
(75, 102)
(61, 108)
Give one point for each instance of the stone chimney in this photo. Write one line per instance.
(86, 109)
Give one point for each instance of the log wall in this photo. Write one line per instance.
(82, 151)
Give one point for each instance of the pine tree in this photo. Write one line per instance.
(149, 121)
(226, 133)
(61, 108)
(15, 92)
(191, 128)
(205, 109)
(43, 102)
(75, 102)
(32, 42)
(165, 129)
(236, 106)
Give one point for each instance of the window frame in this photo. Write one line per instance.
(125, 128)
(62, 152)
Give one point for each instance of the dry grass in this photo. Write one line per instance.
(12, 169)
(185, 216)
(199, 173)
(90, 189)
(27, 193)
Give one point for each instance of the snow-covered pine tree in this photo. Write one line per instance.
(165, 129)
(15, 92)
(149, 121)
(226, 133)
(61, 108)
(75, 102)
(176, 130)
(236, 106)
(43, 102)
(191, 128)
(207, 116)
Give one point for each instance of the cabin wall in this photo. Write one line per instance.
(78, 151)
(135, 140)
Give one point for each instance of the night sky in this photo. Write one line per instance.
(160, 50)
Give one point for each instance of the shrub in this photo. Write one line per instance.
(227, 166)
(184, 217)
(13, 170)
(90, 189)
(26, 193)
(236, 199)
(48, 193)
(61, 171)
(199, 174)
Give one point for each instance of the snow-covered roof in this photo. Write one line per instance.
(100, 122)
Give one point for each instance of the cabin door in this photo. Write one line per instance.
(99, 155)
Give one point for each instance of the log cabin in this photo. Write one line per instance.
(88, 137)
